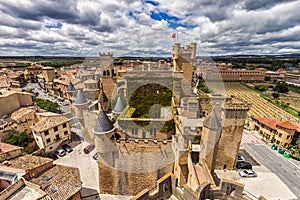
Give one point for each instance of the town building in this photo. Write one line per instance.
(11, 101)
(41, 178)
(25, 190)
(51, 131)
(282, 132)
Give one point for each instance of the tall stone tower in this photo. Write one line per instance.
(234, 113)
(183, 59)
(108, 73)
(102, 99)
(209, 142)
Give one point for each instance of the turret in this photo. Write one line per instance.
(102, 100)
(104, 137)
(210, 139)
(119, 107)
(80, 104)
(71, 92)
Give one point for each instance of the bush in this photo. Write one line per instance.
(275, 95)
(281, 88)
(21, 140)
(46, 104)
(295, 157)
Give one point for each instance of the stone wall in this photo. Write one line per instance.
(8, 104)
(132, 168)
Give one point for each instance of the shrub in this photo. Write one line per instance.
(21, 140)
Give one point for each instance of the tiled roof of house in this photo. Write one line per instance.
(59, 182)
(289, 125)
(27, 162)
(269, 122)
(4, 147)
(24, 190)
(20, 113)
(80, 98)
(46, 123)
(273, 123)
(103, 125)
(90, 81)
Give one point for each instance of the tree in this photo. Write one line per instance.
(21, 139)
(267, 78)
(281, 88)
(275, 95)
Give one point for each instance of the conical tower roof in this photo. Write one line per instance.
(103, 125)
(80, 98)
(212, 121)
(120, 105)
(71, 87)
(102, 97)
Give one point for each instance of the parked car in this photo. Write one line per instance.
(243, 165)
(67, 148)
(52, 156)
(95, 156)
(247, 173)
(60, 152)
(88, 148)
(240, 159)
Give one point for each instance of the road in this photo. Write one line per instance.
(287, 170)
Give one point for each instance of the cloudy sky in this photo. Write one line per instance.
(144, 27)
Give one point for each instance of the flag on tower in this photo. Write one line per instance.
(173, 35)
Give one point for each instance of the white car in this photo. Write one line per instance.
(60, 152)
(247, 173)
(240, 159)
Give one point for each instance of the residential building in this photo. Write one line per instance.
(282, 132)
(24, 190)
(51, 131)
(11, 101)
(8, 151)
(59, 182)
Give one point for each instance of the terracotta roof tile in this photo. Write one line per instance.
(289, 125)
(49, 122)
(59, 182)
(273, 123)
(8, 147)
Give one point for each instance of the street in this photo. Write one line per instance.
(288, 170)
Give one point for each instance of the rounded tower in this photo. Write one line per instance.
(80, 104)
(102, 100)
(71, 92)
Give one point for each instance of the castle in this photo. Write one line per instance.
(154, 136)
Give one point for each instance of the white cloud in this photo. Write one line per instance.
(126, 27)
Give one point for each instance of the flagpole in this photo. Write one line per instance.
(176, 36)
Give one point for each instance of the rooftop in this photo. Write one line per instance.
(90, 81)
(49, 122)
(8, 147)
(273, 123)
(71, 87)
(24, 190)
(27, 162)
(59, 182)
(20, 113)
(80, 98)
(103, 125)
(119, 107)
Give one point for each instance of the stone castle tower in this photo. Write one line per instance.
(183, 59)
